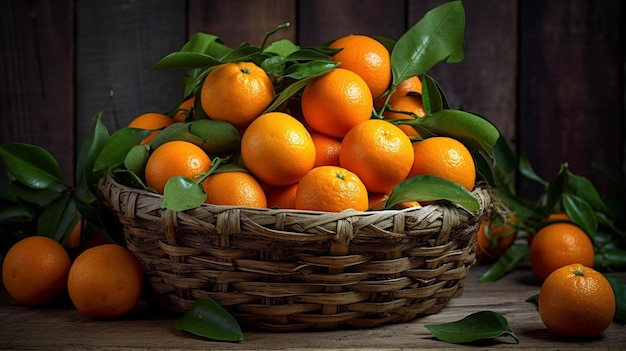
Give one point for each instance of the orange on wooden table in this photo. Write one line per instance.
(35, 270)
(105, 281)
(577, 301)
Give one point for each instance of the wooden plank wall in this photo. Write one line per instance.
(549, 74)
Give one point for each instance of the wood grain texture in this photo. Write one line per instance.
(116, 43)
(571, 96)
(36, 77)
(320, 21)
(64, 328)
(240, 21)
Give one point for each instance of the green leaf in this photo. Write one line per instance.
(201, 51)
(88, 153)
(432, 188)
(584, 188)
(610, 260)
(475, 132)
(182, 193)
(31, 165)
(534, 300)
(506, 263)
(581, 213)
(619, 289)
(309, 69)
(16, 214)
(245, 52)
(214, 137)
(287, 93)
(208, 319)
(58, 218)
(434, 38)
(283, 48)
(207, 44)
(117, 146)
(432, 95)
(526, 169)
(136, 158)
(311, 54)
(184, 61)
(39, 197)
(477, 326)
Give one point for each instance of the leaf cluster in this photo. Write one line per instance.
(599, 216)
(35, 200)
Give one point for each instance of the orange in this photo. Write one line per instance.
(236, 188)
(335, 102)
(552, 217)
(282, 196)
(150, 121)
(184, 110)
(236, 93)
(34, 271)
(366, 57)
(105, 281)
(379, 153)
(557, 245)
(411, 107)
(331, 189)
(495, 237)
(377, 201)
(576, 301)
(277, 149)
(175, 158)
(409, 85)
(74, 237)
(326, 150)
(446, 158)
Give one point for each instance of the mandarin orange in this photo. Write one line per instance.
(335, 102)
(380, 153)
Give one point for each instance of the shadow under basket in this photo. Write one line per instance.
(286, 270)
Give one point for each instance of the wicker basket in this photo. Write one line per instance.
(285, 270)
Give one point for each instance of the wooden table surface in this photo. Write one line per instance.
(64, 328)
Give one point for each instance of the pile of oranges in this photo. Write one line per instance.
(328, 151)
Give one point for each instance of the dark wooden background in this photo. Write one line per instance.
(549, 74)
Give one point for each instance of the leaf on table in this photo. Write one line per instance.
(534, 300)
(208, 319)
(477, 326)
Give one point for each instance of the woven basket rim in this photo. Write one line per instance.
(481, 192)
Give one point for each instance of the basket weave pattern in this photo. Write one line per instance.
(284, 270)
